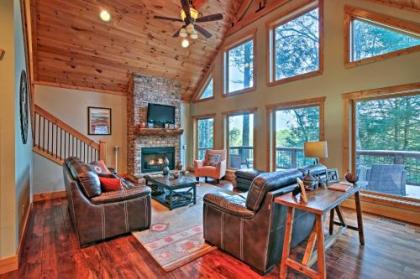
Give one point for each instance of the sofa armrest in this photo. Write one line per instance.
(122, 195)
(230, 204)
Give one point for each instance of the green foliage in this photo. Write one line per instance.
(369, 39)
(302, 126)
(297, 46)
(389, 124)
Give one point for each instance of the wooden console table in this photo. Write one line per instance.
(319, 203)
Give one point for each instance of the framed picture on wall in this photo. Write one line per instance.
(99, 121)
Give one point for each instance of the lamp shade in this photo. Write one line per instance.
(316, 149)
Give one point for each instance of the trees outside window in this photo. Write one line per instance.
(239, 72)
(388, 133)
(205, 136)
(371, 39)
(296, 46)
(241, 140)
(294, 127)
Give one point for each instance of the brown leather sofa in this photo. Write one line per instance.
(96, 215)
(252, 229)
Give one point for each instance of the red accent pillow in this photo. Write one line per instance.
(100, 168)
(110, 184)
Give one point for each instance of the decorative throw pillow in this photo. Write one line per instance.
(110, 184)
(100, 168)
(212, 159)
(90, 183)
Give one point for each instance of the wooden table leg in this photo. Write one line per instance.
(320, 247)
(340, 216)
(359, 218)
(286, 243)
(331, 229)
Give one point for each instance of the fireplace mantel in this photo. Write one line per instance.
(158, 132)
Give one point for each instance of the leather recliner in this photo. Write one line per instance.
(252, 229)
(107, 214)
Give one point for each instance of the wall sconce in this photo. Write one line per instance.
(2, 52)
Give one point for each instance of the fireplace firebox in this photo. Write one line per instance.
(152, 158)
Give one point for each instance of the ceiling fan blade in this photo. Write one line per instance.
(208, 18)
(186, 7)
(203, 31)
(168, 18)
(176, 34)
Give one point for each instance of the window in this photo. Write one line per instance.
(239, 67)
(387, 135)
(205, 136)
(296, 46)
(208, 90)
(292, 128)
(241, 140)
(373, 37)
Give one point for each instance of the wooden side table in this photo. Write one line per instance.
(319, 203)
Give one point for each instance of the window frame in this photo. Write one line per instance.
(196, 119)
(401, 208)
(226, 115)
(271, 123)
(270, 49)
(249, 37)
(351, 13)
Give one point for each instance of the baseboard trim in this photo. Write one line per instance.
(9, 264)
(49, 196)
(24, 232)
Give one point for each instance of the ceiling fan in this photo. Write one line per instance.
(190, 17)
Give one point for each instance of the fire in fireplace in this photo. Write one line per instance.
(152, 158)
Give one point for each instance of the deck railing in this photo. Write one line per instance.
(292, 157)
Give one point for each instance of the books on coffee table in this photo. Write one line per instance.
(342, 186)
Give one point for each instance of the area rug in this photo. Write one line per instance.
(175, 236)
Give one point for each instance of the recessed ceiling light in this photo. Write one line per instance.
(105, 15)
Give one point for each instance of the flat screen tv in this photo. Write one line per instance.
(160, 115)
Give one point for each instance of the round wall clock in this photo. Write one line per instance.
(24, 102)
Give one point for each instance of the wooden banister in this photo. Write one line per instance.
(65, 126)
(56, 140)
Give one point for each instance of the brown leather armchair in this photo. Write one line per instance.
(217, 171)
(96, 215)
(252, 229)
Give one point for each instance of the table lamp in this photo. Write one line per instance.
(316, 149)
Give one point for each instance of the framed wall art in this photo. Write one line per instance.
(99, 121)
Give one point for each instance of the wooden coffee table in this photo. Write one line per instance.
(319, 203)
(173, 192)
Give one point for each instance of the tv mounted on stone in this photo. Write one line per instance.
(160, 115)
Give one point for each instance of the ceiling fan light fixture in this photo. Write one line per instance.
(193, 12)
(185, 43)
(104, 15)
(194, 35)
(190, 28)
(183, 33)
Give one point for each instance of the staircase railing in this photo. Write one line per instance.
(56, 140)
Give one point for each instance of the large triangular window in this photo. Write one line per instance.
(208, 90)
(374, 36)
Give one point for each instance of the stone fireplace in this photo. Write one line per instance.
(145, 90)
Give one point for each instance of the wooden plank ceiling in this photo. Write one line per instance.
(73, 47)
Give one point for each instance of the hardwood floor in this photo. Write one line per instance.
(51, 250)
